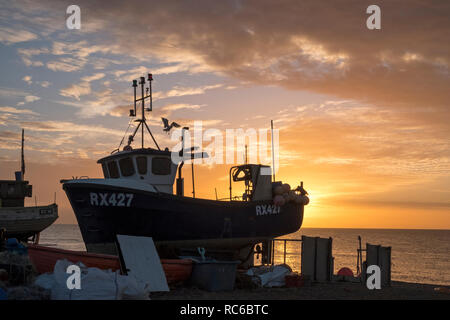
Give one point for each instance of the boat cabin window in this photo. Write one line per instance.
(161, 166)
(126, 167)
(105, 170)
(141, 165)
(113, 170)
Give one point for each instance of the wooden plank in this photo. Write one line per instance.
(308, 256)
(317, 259)
(323, 260)
(380, 256)
(142, 261)
(385, 265)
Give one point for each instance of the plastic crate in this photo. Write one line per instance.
(294, 280)
(214, 275)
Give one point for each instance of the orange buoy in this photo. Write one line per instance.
(286, 187)
(345, 272)
(305, 200)
(278, 200)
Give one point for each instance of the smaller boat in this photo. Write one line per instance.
(18, 221)
(44, 260)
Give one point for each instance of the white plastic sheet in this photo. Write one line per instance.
(96, 284)
(270, 276)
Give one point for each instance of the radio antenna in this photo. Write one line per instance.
(150, 79)
(133, 112)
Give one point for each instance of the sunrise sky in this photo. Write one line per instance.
(363, 114)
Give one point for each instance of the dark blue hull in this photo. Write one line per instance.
(104, 211)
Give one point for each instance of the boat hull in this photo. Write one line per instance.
(173, 221)
(25, 222)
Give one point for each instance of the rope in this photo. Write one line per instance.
(129, 124)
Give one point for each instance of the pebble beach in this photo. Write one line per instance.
(323, 291)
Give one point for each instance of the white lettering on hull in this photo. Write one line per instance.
(111, 199)
(263, 210)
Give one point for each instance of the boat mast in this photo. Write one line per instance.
(143, 108)
(142, 121)
(273, 154)
(22, 156)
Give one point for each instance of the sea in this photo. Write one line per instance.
(419, 256)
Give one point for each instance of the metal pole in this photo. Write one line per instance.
(231, 193)
(273, 251)
(245, 154)
(152, 136)
(143, 114)
(193, 184)
(359, 262)
(182, 151)
(150, 79)
(284, 259)
(134, 87)
(273, 154)
(22, 157)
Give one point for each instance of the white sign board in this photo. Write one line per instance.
(142, 261)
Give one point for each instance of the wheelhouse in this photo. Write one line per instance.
(257, 179)
(148, 165)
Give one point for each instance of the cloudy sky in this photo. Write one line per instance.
(363, 114)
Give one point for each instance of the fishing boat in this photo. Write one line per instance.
(44, 259)
(136, 197)
(18, 221)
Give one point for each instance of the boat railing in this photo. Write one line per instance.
(80, 177)
(285, 243)
(223, 199)
(74, 178)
